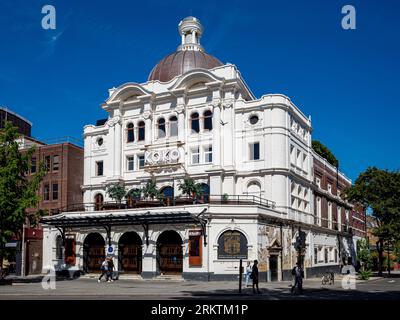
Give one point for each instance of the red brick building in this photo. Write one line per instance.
(60, 188)
(331, 210)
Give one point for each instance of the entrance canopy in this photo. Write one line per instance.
(107, 220)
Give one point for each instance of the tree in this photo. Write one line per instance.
(17, 191)
(150, 190)
(379, 191)
(117, 192)
(324, 152)
(191, 188)
(364, 254)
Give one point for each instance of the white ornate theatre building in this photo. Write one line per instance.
(266, 194)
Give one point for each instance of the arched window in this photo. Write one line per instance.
(254, 189)
(232, 245)
(208, 120)
(173, 126)
(194, 123)
(98, 202)
(130, 132)
(161, 128)
(141, 127)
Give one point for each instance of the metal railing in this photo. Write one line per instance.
(138, 203)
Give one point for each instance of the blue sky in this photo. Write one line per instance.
(347, 80)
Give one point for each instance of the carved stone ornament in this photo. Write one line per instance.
(147, 114)
(113, 121)
(227, 104)
(180, 108)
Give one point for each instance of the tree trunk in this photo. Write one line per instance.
(380, 256)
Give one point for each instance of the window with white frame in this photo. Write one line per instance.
(298, 159)
(318, 211)
(195, 155)
(318, 182)
(329, 215)
(329, 188)
(339, 218)
(141, 161)
(130, 163)
(254, 149)
(304, 162)
(292, 154)
(208, 154)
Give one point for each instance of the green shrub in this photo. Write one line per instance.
(365, 275)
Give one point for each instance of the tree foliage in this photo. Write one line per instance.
(379, 191)
(364, 254)
(150, 190)
(191, 188)
(116, 191)
(324, 152)
(17, 191)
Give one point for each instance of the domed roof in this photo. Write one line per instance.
(180, 62)
(189, 55)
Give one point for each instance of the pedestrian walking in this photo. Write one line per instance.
(110, 267)
(104, 270)
(298, 275)
(248, 273)
(254, 276)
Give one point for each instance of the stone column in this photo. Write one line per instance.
(181, 122)
(118, 147)
(217, 135)
(147, 117)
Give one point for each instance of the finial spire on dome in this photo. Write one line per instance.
(190, 30)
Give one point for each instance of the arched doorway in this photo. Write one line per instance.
(93, 252)
(168, 193)
(130, 253)
(206, 192)
(169, 253)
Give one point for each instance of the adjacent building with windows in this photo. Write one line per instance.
(196, 118)
(24, 126)
(59, 190)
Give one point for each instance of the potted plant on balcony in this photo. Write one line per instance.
(190, 188)
(150, 190)
(133, 196)
(117, 192)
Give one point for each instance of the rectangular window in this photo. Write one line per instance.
(326, 255)
(195, 155)
(47, 162)
(130, 162)
(318, 182)
(55, 191)
(255, 151)
(46, 192)
(141, 161)
(208, 154)
(33, 165)
(304, 162)
(99, 168)
(329, 215)
(56, 163)
(329, 188)
(315, 255)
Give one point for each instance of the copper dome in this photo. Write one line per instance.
(180, 62)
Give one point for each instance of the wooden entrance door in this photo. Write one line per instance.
(95, 258)
(170, 258)
(131, 258)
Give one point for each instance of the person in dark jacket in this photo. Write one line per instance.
(298, 274)
(110, 269)
(254, 277)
